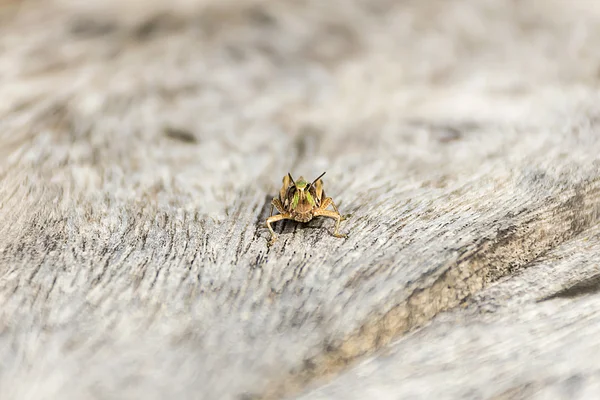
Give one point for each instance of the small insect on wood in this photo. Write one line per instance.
(302, 201)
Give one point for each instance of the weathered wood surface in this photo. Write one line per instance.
(141, 144)
(533, 335)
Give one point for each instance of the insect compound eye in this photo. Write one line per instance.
(291, 190)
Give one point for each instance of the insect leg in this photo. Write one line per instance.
(327, 201)
(331, 214)
(277, 204)
(272, 219)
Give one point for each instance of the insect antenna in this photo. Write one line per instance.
(292, 179)
(315, 181)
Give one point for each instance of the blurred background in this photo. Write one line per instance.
(300, 79)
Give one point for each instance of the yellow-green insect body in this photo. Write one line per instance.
(302, 201)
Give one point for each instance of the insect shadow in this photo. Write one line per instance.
(285, 226)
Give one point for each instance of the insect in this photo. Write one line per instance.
(302, 201)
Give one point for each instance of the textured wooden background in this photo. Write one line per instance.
(141, 143)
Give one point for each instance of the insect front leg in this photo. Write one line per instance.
(321, 211)
(272, 219)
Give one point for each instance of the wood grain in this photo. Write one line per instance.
(522, 338)
(140, 151)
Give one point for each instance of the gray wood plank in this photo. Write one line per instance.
(140, 148)
(531, 336)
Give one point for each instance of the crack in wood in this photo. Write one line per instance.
(583, 288)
